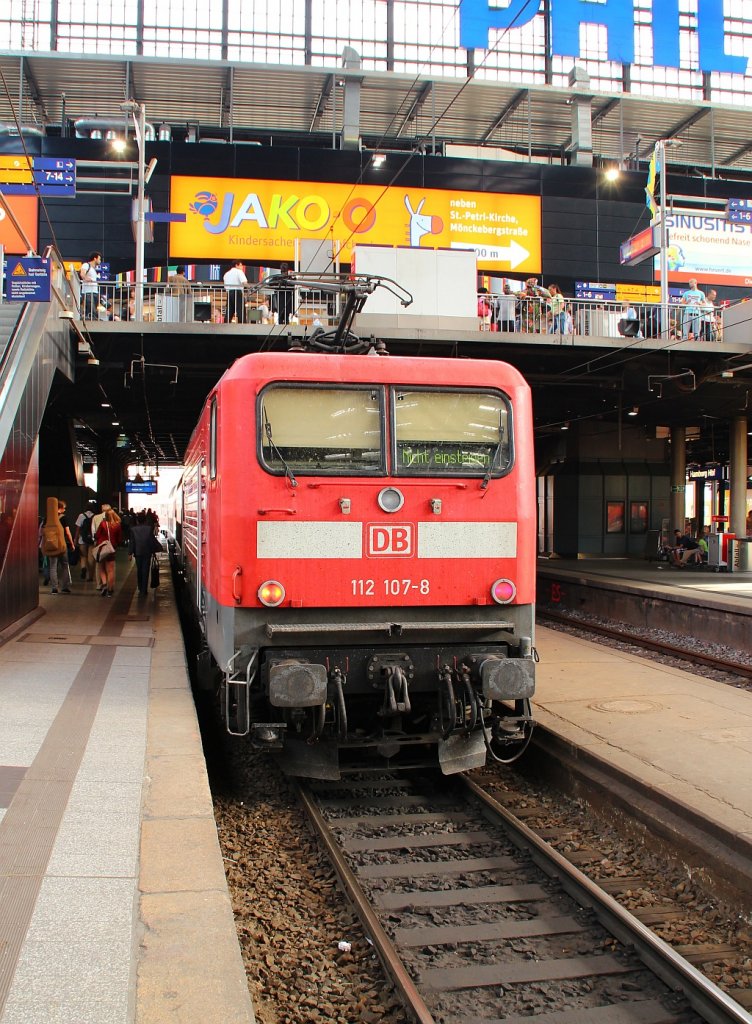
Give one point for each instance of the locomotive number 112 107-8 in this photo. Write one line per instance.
(389, 588)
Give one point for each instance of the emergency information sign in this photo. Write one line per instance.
(233, 218)
(27, 279)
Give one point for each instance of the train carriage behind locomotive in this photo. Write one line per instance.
(357, 535)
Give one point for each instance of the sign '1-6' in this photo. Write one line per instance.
(618, 16)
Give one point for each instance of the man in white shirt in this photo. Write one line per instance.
(235, 281)
(90, 285)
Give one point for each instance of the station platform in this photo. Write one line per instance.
(113, 901)
(682, 738)
(693, 602)
(681, 735)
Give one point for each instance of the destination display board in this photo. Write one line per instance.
(140, 486)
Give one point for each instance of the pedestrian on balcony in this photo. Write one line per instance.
(180, 289)
(90, 285)
(530, 306)
(710, 317)
(556, 310)
(693, 301)
(284, 298)
(235, 282)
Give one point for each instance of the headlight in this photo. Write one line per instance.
(503, 591)
(391, 499)
(271, 593)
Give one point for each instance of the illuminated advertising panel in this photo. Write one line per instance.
(25, 211)
(228, 219)
(711, 249)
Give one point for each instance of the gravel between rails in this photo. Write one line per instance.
(291, 915)
(289, 911)
(578, 626)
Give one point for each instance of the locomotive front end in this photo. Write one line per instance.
(384, 602)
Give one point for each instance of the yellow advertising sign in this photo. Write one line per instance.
(230, 219)
(15, 163)
(638, 292)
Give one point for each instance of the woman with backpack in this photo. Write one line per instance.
(108, 532)
(84, 538)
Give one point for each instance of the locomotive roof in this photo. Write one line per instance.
(346, 368)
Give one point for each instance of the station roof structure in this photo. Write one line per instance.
(262, 103)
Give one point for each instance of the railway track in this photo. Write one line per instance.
(477, 920)
(660, 647)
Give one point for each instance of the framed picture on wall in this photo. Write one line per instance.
(638, 517)
(615, 516)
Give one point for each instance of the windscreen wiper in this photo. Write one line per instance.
(268, 431)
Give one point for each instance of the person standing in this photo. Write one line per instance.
(284, 299)
(55, 542)
(84, 538)
(692, 300)
(143, 544)
(90, 285)
(235, 282)
(709, 317)
(108, 529)
(529, 305)
(180, 288)
(556, 308)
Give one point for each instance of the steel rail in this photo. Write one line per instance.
(713, 1005)
(388, 955)
(651, 645)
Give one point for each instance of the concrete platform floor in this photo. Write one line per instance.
(113, 901)
(688, 737)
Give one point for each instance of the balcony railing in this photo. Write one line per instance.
(583, 317)
(190, 303)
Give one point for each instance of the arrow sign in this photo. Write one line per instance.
(514, 253)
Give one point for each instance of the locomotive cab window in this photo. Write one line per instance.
(321, 430)
(451, 433)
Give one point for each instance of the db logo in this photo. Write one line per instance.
(395, 539)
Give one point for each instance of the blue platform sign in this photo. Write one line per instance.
(739, 211)
(140, 486)
(48, 177)
(27, 279)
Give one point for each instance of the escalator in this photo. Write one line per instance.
(35, 343)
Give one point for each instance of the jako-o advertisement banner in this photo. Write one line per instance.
(231, 219)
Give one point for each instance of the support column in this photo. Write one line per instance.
(699, 504)
(678, 477)
(109, 469)
(738, 476)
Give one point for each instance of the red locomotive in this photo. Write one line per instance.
(358, 536)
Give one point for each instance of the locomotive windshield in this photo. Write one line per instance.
(451, 433)
(324, 430)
